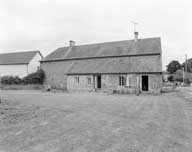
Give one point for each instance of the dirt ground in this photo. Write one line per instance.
(34, 121)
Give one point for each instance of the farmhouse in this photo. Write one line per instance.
(132, 65)
(19, 63)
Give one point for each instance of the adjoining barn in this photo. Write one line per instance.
(133, 65)
(19, 63)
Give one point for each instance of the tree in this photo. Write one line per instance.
(35, 78)
(170, 78)
(173, 66)
(189, 65)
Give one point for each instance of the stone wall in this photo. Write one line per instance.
(56, 73)
(110, 82)
(155, 83)
(82, 85)
(56, 76)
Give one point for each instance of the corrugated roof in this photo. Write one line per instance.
(136, 64)
(17, 57)
(108, 49)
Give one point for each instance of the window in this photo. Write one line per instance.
(76, 80)
(89, 81)
(122, 80)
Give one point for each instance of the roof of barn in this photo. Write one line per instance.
(17, 57)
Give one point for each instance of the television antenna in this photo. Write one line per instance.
(135, 25)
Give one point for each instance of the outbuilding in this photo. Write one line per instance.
(19, 63)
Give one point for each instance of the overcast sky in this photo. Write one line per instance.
(48, 24)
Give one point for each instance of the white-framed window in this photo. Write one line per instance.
(89, 81)
(76, 80)
(122, 80)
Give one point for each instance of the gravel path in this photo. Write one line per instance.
(57, 122)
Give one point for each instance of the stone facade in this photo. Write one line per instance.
(110, 83)
(56, 73)
(80, 83)
(56, 76)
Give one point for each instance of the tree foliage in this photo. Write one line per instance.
(170, 78)
(173, 66)
(34, 78)
(189, 65)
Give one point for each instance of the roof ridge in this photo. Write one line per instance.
(18, 57)
(20, 52)
(112, 42)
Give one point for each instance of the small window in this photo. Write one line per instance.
(89, 80)
(76, 80)
(122, 80)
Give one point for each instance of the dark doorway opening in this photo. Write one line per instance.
(98, 81)
(145, 82)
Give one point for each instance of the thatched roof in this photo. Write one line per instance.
(109, 49)
(17, 57)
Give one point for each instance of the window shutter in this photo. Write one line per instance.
(128, 81)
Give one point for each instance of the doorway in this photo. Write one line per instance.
(145, 83)
(99, 81)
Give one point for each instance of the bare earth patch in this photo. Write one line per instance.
(47, 122)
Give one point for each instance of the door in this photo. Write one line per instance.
(99, 82)
(145, 82)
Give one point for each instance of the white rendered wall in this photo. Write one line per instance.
(34, 63)
(13, 70)
(21, 70)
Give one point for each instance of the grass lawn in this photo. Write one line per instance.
(55, 122)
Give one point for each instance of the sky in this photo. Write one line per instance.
(45, 25)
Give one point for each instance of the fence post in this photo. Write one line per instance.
(0, 90)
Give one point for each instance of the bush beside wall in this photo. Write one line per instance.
(10, 80)
(33, 78)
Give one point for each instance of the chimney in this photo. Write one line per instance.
(71, 43)
(136, 34)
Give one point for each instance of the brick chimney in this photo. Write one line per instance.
(71, 43)
(136, 34)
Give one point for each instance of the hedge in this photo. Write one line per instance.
(33, 78)
(9, 80)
